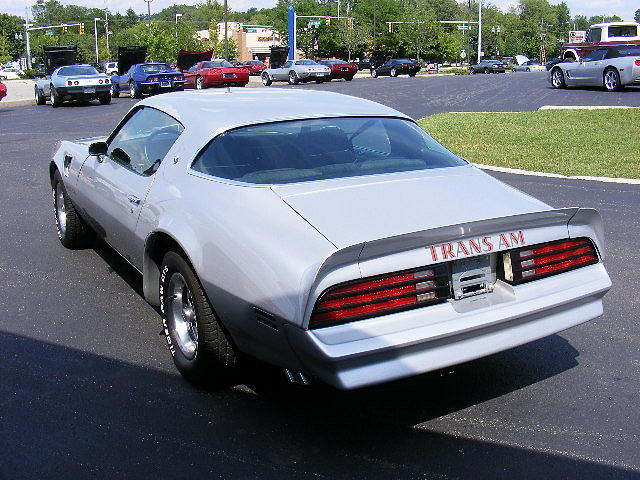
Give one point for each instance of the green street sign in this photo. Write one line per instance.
(314, 23)
(464, 27)
(251, 30)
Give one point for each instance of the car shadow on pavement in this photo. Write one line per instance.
(80, 415)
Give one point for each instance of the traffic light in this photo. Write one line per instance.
(327, 22)
(82, 29)
(64, 29)
(390, 25)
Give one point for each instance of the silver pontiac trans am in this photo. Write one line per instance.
(324, 234)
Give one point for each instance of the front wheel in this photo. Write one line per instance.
(557, 78)
(393, 72)
(611, 80)
(266, 79)
(199, 83)
(486, 71)
(374, 73)
(412, 74)
(72, 231)
(201, 349)
(293, 78)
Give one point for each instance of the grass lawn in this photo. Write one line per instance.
(570, 142)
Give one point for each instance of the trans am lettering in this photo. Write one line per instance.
(476, 246)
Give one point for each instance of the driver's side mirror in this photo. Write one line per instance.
(98, 148)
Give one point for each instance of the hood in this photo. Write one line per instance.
(58, 56)
(130, 55)
(186, 59)
(520, 59)
(350, 211)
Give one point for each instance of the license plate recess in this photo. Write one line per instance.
(473, 276)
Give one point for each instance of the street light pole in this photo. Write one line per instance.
(226, 40)
(106, 29)
(26, 37)
(177, 15)
(479, 31)
(149, 11)
(95, 34)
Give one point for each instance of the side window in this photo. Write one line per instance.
(287, 64)
(144, 140)
(194, 68)
(595, 55)
(594, 35)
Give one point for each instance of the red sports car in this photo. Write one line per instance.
(215, 72)
(341, 69)
(3, 90)
(255, 67)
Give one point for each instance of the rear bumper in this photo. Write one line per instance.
(239, 80)
(68, 93)
(418, 341)
(157, 87)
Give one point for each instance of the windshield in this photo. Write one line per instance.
(216, 64)
(317, 149)
(156, 68)
(334, 62)
(77, 70)
(305, 62)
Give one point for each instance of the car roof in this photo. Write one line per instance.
(208, 113)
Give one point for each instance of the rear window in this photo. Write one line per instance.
(623, 31)
(317, 149)
(68, 71)
(156, 68)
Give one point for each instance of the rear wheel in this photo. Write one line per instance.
(348, 79)
(73, 232)
(557, 78)
(412, 74)
(56, 100)
(105, 99)
(115, 91)
(40, 98)
(393, 72)
(293, 78)
(201, 349)
(611, 80)
(486, 71)
(199, 83)
(374, 73)
(134, 90)
(266, 79)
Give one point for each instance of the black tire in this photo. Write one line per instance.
(348, 79)
(393, 72)
(486, 71)
(115, 92)
(56, 100)
(611, 80)
(73, 232)
(319, 80)
(293, 78)
(214, 359)
(527, 69)
(40, 98)
(412, 74)
(374, 73)
(199, 83)
(266, 79)
(134, 91)
(473, 71)
(105, 99)
(557, 78)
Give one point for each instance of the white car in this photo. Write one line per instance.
(530, 66)
(10, 73)
(322, 233)
(111, 68)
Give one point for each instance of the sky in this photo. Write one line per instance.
(623, 8)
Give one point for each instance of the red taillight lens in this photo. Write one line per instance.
(381, 295)
(637, 62)
(76, 82)
(539, 261)
(69, 82)
(100, 81)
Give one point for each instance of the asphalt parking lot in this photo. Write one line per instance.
(88, 388)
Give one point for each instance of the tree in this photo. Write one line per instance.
(4, 50)
(419, 33)
(10, 26)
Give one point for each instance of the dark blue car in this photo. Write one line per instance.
(152, 77)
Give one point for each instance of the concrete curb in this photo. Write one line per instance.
(517, 171)
(17, 103)
(582, 107)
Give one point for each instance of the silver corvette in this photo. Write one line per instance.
(324, 234)
(296, 71)
(611, 68)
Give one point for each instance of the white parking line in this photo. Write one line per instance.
(517, 171)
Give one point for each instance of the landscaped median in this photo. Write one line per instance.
(601, 143)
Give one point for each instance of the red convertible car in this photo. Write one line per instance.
(3, 90)
(215, 72)
(255, 67)
(341, 69)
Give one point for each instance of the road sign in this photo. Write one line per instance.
(464, 27)
(314, 23)
(251, 30)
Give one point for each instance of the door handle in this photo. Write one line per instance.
(133, 199)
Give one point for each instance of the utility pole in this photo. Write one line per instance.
(226, 39)
(544, 26)
(177, 15)
(95, 35)
(106, 29)
(479, 31)
(375, 7)
(26, 37)
(149, 12)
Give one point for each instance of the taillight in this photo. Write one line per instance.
(539, 261)
(177, 77)
(153, 79)
(381, 295)
(69, 82)
(637, 62)
(76, 82)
